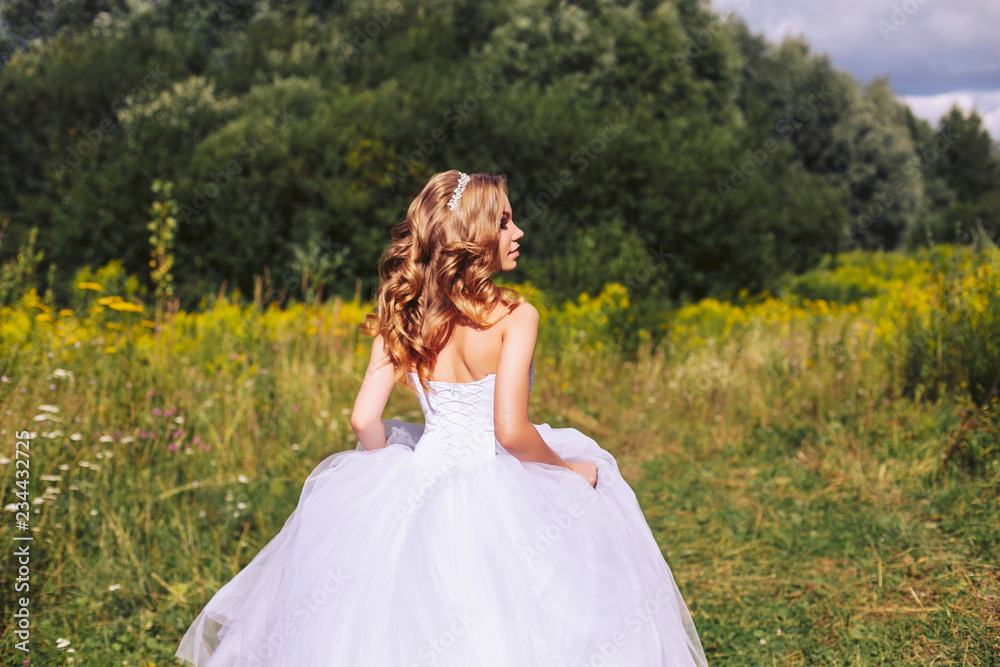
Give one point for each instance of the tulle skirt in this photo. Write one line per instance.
(393, 559)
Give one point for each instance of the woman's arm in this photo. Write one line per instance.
(511, 424)
(366, 418)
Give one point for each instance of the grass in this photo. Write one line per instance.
(802, 546)
(807, 519)
(800, 499)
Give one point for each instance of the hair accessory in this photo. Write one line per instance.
(463, 178)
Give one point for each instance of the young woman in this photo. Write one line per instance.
(475, 539)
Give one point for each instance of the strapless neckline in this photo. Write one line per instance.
(531, 378)
(488, 376)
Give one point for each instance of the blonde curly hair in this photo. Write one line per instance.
(437, 272)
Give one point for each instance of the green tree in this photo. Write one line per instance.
(969, 162)
(881, 172)
(622, 127)
(27, 20)
(859, 140)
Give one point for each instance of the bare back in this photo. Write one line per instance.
(471, 354)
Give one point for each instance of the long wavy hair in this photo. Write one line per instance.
(437, 272)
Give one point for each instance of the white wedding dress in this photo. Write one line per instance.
(443, 549)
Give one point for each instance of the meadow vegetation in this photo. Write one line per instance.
(819, 465)
(772, 292)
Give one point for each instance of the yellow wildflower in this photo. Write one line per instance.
(127, 306)
(117, 303)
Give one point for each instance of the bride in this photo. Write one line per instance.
(475, 539)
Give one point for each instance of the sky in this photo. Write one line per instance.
(934, 52)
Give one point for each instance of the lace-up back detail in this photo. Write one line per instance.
(458, 418)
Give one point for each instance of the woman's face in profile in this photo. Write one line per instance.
(509, 236)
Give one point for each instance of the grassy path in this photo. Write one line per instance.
(800, 546)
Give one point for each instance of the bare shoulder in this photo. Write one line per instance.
(524, 317)
(525, 311)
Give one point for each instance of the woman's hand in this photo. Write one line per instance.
(585, 469)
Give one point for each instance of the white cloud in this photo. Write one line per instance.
(932, 107)
(931, 46)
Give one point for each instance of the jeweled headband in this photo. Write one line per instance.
(463, 178)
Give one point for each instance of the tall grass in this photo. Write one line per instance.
(818, 501)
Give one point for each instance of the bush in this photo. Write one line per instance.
(848, 284)
(964, 222)
(955, 344)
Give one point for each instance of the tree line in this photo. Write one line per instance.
(652, 143)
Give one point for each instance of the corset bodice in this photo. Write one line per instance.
(458, 419)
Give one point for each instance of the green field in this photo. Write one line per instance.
(819, 466)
